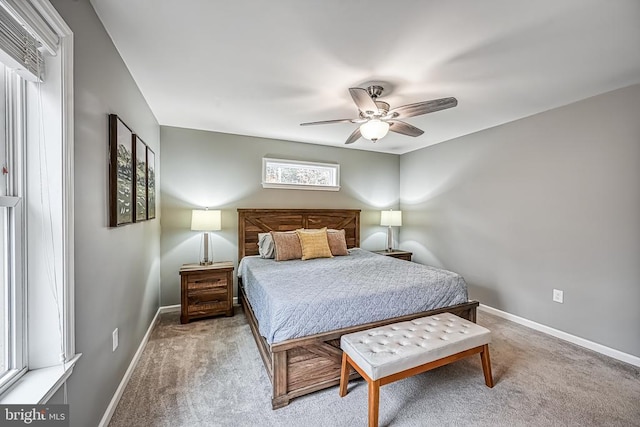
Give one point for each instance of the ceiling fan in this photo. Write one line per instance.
(376, 119)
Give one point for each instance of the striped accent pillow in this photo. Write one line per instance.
(314, 243)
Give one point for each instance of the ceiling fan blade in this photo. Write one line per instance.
(420, 108)
(354, 136)
(404, 128)
(328, 122)
(363, 101)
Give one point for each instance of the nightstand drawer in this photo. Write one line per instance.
(207, 308)
(206, 295)
(207, 281)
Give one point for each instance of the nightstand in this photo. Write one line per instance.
(206, 290)
(396, 253)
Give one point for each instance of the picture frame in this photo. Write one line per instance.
(151, 184)
(121, 172)
(140, 179)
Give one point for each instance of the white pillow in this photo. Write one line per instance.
(266, 247)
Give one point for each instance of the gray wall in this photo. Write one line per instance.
(549, 201)
(222, 171)
(117, 272)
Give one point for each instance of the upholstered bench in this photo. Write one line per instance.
(393, 352)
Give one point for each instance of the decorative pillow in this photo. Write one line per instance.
(337, 242)
(314, 243)
(287, 245)
(266, 247)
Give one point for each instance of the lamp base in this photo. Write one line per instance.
(205, 260)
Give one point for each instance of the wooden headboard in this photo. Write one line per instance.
(254, 221)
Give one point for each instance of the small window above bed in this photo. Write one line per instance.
(300, 175)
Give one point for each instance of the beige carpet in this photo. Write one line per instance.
(209, 373)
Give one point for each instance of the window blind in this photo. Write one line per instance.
(28, 13)
(23, 36)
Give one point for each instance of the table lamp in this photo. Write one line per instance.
(390, 218)
(206, 220)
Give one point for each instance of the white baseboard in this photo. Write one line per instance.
(169, 308)
(607, 351)
(104, 422)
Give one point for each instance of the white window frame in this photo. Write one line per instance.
(41, 381)
(15, 268)
(334, 167)
(15, 316)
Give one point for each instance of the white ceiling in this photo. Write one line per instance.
(261, 68)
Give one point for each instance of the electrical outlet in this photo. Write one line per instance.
(558, 296)
(114, 335)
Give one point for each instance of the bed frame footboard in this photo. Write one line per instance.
(304, 365)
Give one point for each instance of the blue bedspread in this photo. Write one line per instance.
(298, 298)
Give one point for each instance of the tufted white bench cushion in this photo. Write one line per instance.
(393, 352)
(390, 349)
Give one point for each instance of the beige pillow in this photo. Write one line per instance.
(337, 242)
(287, 244)
(314, 243)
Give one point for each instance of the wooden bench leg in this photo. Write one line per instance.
(486, 365)
(374, 402)
(344, 375)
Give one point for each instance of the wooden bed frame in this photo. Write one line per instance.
(304, 365)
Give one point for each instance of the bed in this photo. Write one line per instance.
(302, 355)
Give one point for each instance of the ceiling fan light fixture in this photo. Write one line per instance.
(374, 129)
(376, 117)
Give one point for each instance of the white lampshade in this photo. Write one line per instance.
(374, 129)
(205, 220)
(391, 218)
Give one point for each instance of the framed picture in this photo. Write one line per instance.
(121, 179)
(151, 184)
(140, 176)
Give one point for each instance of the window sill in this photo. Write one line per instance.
(37, 386)
(301, 187)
